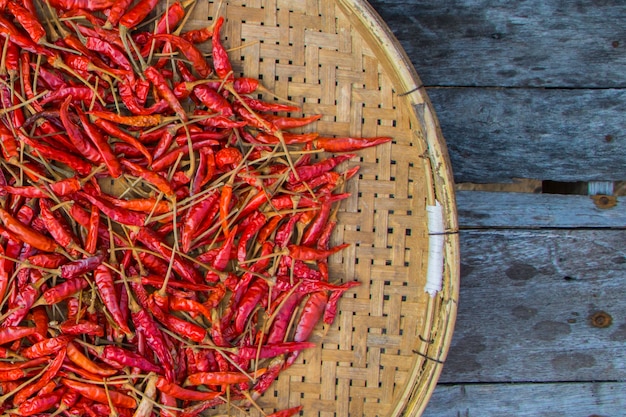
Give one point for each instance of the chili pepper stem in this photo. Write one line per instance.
(123, 31)
(59, 64)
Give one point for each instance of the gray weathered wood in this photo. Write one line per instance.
(554, 43)
(529, 400)
(478, 209)
(525, 303)
(494, 135)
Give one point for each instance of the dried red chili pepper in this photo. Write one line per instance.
(99, 394)
(26, 234)
(348, 144)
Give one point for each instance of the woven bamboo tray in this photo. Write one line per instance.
(384, 353)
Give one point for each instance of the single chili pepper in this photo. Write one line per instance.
(184, 328)
(56, 225)
(227, 156)
(91, 239)
(314, 231)
(153, 242)
(164, 144)
(348, 144)
(26, 234)
(46, 347)
(64, 290)
(164, 91)
(257, 221)
(137, 14)
(221, 62)
(82, 327)
(23, 41)
(133, 104)
(26, 77)
(105, 284)
(285, 231)
(308, 172)
(220, 378)
(311, 314)
(217, 120)
(49, 78)
(286, 413)
(170, 158)
(75, 134)
(152, 177)
(6, 366)
(170, 19)
(224, 203)
(40, 403)
(70, 367)
(188, 49)
(28, 21)
(110, 51)
(213, 100)
(254, 120)
(99, 394)
(281, 322)
(114, 131)
(245, 85)
(79, 267)
(305, 253)
(269, 228)
(136, 121)
(119, 215)
(255, 293)
(91, 5)
(272, 350)
(103, 147)
(198, 35)
(154, 338)
(8, 143)
(40, 317)
(116, 354)
(157, 281)
(116, 12)
(60, 188)
(75, 355)
(189, 305)
(9, 334)
(181, 393)
(205, 171)
(72, 94)
(289, 138)
(145, 205)
(265, 106)
(76, 163)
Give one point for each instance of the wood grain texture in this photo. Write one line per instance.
(525, 305)
(495, 135)
(484, 209)
(600, 399)
(554, 43)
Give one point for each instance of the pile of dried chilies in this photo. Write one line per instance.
(200, 273)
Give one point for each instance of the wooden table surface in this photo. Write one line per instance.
(531, 90)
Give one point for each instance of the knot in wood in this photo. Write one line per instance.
(601, 319)
(604, 201)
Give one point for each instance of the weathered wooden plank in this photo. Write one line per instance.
(478, 209)
(554, 43)
(528, 400)
(526, 304)
(494, 135)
